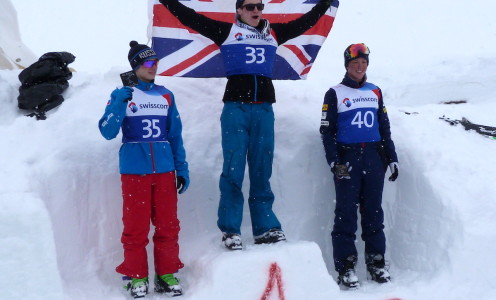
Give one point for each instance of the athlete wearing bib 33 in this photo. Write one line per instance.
(358, 146)
(248, 47)
(152, 163)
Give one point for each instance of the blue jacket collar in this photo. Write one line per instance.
(352, 83)
(145, 86)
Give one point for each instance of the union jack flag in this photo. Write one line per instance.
(184, 52)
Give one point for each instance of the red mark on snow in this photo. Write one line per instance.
(275, 278)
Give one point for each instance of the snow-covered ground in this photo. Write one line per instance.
(60, 204)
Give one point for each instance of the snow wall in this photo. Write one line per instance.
(60, 198)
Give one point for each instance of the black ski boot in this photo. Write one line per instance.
(270, 237)
(232, 241)
(168, 285)
(348, 277)
(376, 266)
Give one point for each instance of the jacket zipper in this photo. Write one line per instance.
(153, 158)
(255, 96)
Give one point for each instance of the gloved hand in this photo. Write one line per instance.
(341, 171)
(182, 184)
(123, 94)
(394, 167)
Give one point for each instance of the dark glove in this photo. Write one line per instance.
(182, 184)
(124, 94)
(394, 167)
(341, 171)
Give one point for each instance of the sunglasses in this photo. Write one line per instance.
(357, 49)
(150, 63)
(251, 7)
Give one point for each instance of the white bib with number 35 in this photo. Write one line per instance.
(146, 117)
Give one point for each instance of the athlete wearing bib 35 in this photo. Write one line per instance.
(152, 163)
(357, 140)
(248, 48)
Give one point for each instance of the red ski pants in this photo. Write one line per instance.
(149, 197)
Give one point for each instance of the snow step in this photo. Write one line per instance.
(277, 271)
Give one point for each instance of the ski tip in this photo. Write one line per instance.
(461, 101)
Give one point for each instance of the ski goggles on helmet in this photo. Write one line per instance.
(150, 63)
(356, 50)
(251, 6)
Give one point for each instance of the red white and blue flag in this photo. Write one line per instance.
(184, 52)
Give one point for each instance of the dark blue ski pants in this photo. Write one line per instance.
(363, 192)
(247, 135)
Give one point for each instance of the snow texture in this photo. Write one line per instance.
(60, 201)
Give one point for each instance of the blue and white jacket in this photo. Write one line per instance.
(354, 114)
(151, 131)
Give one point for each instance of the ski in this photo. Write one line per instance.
(485, 130)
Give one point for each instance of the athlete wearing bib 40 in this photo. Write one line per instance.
(248, 47)
(358, 146)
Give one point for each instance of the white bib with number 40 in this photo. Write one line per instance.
(357, 114)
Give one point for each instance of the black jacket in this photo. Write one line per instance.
(43, 82)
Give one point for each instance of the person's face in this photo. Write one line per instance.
(253, 17)
(147, 70)
(356, 69)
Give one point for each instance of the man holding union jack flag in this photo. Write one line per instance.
(248, 51)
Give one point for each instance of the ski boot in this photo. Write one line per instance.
(348, 277)
(137, 287)
(270, 237)
(232, 241)
(168, 284)
(377, 269)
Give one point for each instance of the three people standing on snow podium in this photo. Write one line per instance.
(355, 132)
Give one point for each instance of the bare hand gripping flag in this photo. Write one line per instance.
(186, 53)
